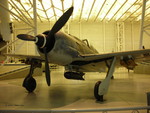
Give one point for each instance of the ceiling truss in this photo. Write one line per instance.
(84, 10)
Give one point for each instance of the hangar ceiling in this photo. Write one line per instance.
(84, 10)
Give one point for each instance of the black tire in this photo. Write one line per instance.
(30, 84)
(97, 96)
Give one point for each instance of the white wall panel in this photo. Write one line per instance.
(146, 40)
(129, 36)
(101, 35)
(132, 36)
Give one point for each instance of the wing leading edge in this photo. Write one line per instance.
(21, 56)
(137, 55)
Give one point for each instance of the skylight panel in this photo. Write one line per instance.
(97, 6)
(67, 4)
(105, 9)
(58, 12)
(124, 9)
(46, 4)
(114, 10)
(50, 13)
(86, 8)
(77, 9)
(57, 4)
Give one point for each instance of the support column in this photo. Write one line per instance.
(35, 21)
(104, 37)
(142, 24)
(35, 17)
(5, 21)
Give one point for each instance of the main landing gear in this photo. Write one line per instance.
(101, 88)
(29, 82)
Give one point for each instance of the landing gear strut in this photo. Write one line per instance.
(101, 88)
(29, 82)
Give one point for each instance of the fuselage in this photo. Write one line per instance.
(66, 48)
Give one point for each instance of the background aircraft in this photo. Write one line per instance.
(78, 57)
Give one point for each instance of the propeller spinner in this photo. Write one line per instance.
(46, 42)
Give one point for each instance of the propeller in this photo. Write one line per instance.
(47, 70)
(26, 37)
(46, 42)
(61, 22)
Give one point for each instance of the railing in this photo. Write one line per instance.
(6, 60)
(15, 70)
(103, 110)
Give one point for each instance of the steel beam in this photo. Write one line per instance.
(1, 5)
(52, 5)
(118, 10)
(37, 13)
(20, 11)
(133, 13)
(35, 17)
(109, 10)
(91, 10)
(100, 10)
(142, 24)
(81, 10)
(127, 10)
(44, 10)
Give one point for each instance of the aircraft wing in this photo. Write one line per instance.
(21, 56)
(136, 55)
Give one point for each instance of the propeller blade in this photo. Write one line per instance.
(47, 70)
(26, 37)
(61, 22)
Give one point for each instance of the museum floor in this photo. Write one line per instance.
(126, 90)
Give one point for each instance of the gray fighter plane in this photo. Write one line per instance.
(78, 57)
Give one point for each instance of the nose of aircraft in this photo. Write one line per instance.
(46, 42)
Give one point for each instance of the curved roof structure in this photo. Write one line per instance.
(84, 10)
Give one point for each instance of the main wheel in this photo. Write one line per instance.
(29, 83)
(96, 88)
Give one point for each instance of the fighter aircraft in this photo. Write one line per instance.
(78, 57)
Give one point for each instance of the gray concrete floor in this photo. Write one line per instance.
(126, 90)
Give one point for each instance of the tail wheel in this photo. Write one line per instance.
(96, 88)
